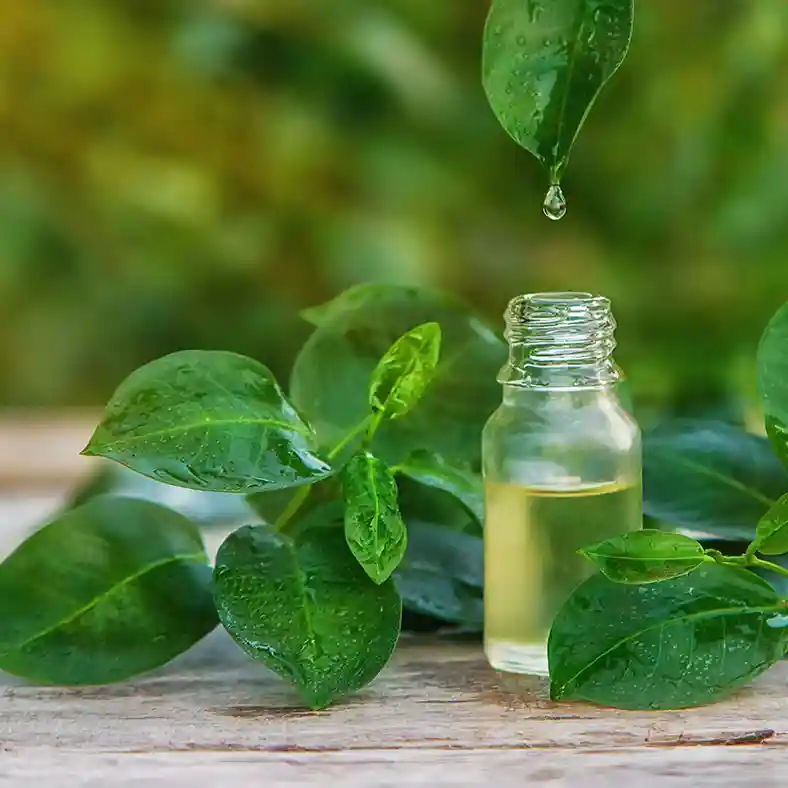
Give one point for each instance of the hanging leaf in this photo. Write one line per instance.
(772, 533)
(433, 471)
(710, 477)
(684, 642)
(108, 590)
(646, 556)
(305, 608)
(773, 381)
(405, 371)
(330, 380)
(374, 529)
(544, 64)
(208, 420)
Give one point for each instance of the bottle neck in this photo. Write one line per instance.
(560, 341)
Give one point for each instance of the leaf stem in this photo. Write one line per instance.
(761, 564)
(373, 424)
(301, 495)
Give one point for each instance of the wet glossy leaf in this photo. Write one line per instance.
(684, 642)
(208, 420)
(646, 556)
(772, 533)
(710, 477)
(108, 590)
(433, 471)
(544, 64)
(442, 574)
(330, 380)
(773, 381)
(405, 371)
(374, 529)
(304, 607)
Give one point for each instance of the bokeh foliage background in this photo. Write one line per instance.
(191, 173)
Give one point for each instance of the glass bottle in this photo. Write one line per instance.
(562, 469)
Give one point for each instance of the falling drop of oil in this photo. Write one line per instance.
(554, 205)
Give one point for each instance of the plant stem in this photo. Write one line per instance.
(761, 564)
(300, 496)
(372, 428)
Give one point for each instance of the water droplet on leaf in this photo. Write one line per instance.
(554, 205)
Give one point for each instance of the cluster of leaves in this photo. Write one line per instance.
(669, 622)
(367, 498)
(365, 484)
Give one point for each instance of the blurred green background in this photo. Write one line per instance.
(177, 173)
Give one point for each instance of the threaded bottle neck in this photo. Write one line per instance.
(560, 340)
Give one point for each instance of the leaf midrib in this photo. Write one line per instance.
(199, 557)
(109, 446)
(726, 480)
(776, 608)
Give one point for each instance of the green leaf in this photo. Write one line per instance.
(357, 329)
(405, 371)
(442, 574)
(646, 556)
(433, 471)
(104, 592)
(710, 477)
(684, 642)
(773, 381)
(772, 533)
(304, 607)
(544, 65)
(208, 420)
(374, 529)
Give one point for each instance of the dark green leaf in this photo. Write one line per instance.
(646, 556)
(442, 574)
(208, 420)
(545, 63)
(773, 380)
(330, 381)
(374, 529)
(405, 371)
(710, 477)
(430, 504)
(305, 608)
(111, 589)
(684, 642)
(433, 471)
(772, 534)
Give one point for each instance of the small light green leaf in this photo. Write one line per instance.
(331, 375)
(710, 477)
(405, 371)
(646, 556)
(772, 533)
(208, 420)
(545, 63)
(773, 381)
(106, 591)
(433, 471)
(374, 530)
(304, 607)
(685, 642)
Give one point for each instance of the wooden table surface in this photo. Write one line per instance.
(436, 716)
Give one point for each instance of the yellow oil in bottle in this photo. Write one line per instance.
(531, 538)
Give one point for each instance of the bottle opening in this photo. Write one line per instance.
(567, 331)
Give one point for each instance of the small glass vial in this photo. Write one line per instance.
(562, 469)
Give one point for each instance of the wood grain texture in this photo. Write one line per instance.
(437, 715)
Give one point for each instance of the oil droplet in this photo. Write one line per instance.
(554, 205)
